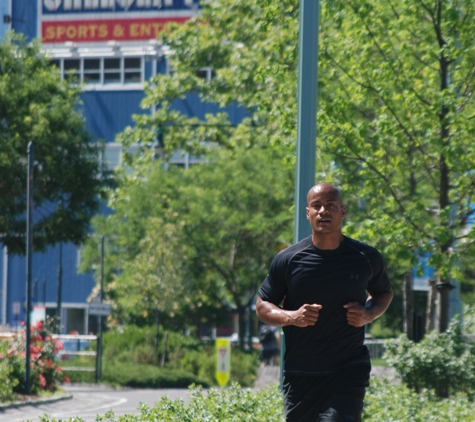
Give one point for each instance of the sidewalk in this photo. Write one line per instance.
(32, 401)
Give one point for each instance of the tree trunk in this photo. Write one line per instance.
(242, 326)
(430, 311)
(155, 340)
(164, 349)
(408, 306)
(443, 305)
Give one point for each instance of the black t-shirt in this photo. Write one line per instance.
(304, 274)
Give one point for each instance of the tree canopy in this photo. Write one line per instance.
(395, 113)
(37, 106)
(198, 238)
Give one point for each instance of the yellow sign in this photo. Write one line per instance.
(223, 368)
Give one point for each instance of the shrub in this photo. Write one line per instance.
(7, 382)
(134, 345)
(134, 375)
(389, 402)
(384, 402)
(444, 362)
(45, 374)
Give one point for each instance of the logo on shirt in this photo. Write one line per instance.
(354, 276)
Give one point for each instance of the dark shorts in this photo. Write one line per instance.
(267, 355)
(337, 397)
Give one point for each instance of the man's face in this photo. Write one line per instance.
(325, 210)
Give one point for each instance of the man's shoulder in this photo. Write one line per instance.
(291, 250)
(362, 247)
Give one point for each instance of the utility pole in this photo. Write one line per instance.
(306, 112)
(29, 253)
(60, 286)
(306, 124)
(99, 317)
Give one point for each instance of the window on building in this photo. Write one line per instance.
(102, 71)
(72, 69)
(92, 71)
(205, 73)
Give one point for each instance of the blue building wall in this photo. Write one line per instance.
(25, 17)
(109, 112)
(76, 287)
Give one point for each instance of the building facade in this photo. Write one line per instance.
(110, 47)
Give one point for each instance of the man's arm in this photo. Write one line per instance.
(271, 314)
(376, 305)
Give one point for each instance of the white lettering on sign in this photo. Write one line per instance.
(125, 3)
(53, 5)
(72, 4)
(91, 4)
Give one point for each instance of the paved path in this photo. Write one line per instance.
(90, 401)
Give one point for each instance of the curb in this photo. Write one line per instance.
(33, 402)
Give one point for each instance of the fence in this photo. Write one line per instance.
(375, 347)
(73, 345)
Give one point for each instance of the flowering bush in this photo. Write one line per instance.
(44, 373)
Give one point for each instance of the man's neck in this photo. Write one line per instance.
(327, 241)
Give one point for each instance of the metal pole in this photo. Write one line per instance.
(60, 286)
(306, 112)
(99, 336)
(306, 122)
(29, 252)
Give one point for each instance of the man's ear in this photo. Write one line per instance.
(343, 210)
(307, 211)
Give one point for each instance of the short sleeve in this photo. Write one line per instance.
(379, 283)
(274, 286)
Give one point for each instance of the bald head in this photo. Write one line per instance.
(327, 188)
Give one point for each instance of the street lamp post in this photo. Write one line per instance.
(29, 252)
(306, 123)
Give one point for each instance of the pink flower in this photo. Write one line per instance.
(42, 381)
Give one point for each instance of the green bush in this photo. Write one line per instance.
(384, 402)
(244, 367)
(45, 374)
(444, 362)
(7, 382)
(134, 375)
(185, 354)
(203, 364)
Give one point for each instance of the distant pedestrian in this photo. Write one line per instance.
(330, 287)
(270, 344)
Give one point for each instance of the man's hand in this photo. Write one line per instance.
(357, 315)
(306, 315)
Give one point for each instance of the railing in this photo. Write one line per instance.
(375, 347)
(73, 345)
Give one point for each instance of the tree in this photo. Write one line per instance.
(37, 106)
(400, 122)
(202, 235)
(395, 111)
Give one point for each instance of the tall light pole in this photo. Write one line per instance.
(60, 286)
(99, 317)
(29, 252)
(306, 123)
(306, 112)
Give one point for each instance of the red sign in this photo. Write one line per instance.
(104, 30)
